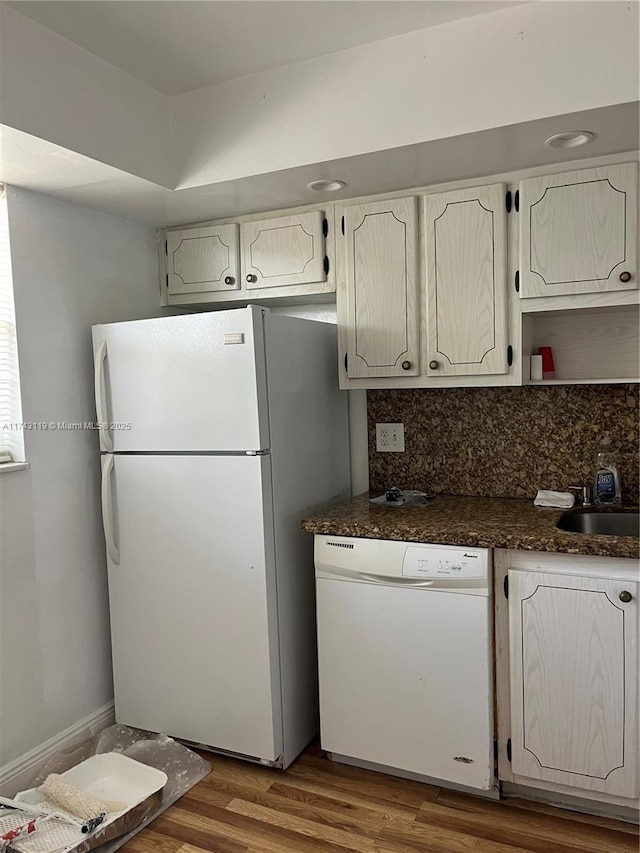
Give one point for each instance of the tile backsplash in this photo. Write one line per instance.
(505, 442)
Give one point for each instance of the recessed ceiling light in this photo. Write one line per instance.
(570, 139)
(326, 186)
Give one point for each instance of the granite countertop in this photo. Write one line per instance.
(454, 520)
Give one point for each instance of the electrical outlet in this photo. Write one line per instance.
(390, 438)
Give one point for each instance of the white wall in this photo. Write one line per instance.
(55, 90)
(72, 267)
(520, 64)
(524, 63)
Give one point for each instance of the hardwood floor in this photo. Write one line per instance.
(318, 806)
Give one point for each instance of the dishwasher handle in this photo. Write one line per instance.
(386, 580)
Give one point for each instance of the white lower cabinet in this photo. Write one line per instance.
(573, 649)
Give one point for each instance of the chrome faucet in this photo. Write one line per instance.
(584, 493)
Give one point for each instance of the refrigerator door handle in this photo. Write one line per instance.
(107, 509)
(101, 407)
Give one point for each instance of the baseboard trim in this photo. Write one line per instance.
(20, 772)
(619, 808)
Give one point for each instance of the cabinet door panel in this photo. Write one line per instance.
(283, 251)
(203, 260)
(382, 288)
(465, 252)
(574, 681)
(579, 231)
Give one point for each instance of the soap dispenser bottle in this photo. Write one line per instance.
(606, 488)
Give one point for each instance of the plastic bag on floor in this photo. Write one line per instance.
(184, 768)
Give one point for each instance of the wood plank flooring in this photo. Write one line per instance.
(319, 806)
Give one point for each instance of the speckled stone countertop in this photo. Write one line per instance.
(453, 520)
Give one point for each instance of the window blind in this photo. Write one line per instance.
(11, 434)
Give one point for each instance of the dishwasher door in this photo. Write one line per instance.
(405, 668)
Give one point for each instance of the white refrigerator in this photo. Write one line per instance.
(220, 431)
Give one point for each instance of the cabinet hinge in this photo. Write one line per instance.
(342, 224)
(516, 201)
(508, 201)
(509, 355)
(325, 227)
(517, 282)
(505, 586)
(346, 361)
(509, 750)
(326, 265)
(166, 247)
(167, 278)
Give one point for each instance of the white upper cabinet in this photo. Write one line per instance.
(256, 259)
(465, 252)
(579, 232)
(381, 266)
(453, 291)
(574, 681)
(202, 260)
(284, 251)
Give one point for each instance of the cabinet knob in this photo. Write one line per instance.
(625, 276)
(229, 279)
(625, 596)
(251, 278)
(434, 365)
(406, 365)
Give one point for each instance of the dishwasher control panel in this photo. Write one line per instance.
(405, 564)
(443, 562)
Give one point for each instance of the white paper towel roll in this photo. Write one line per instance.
(536, 368)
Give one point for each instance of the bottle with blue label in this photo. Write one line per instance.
(606, 488)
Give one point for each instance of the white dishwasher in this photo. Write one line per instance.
(405, 657)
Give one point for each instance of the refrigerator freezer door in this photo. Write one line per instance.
(189, 383)
(193, 609)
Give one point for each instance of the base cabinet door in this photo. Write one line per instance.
(203, 260)
(574, 681)
(284, 251)
(382, 288)
(579, 232)
(465, 251)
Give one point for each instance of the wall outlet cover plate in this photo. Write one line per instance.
(390, 438)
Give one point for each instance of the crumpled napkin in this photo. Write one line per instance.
(400, 497)
(562, 500)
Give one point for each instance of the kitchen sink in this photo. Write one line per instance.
(601, 522)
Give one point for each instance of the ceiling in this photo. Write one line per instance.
(175, 47)
(42, 166)
(178, 46)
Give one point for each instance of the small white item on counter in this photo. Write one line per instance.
(562, 500)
